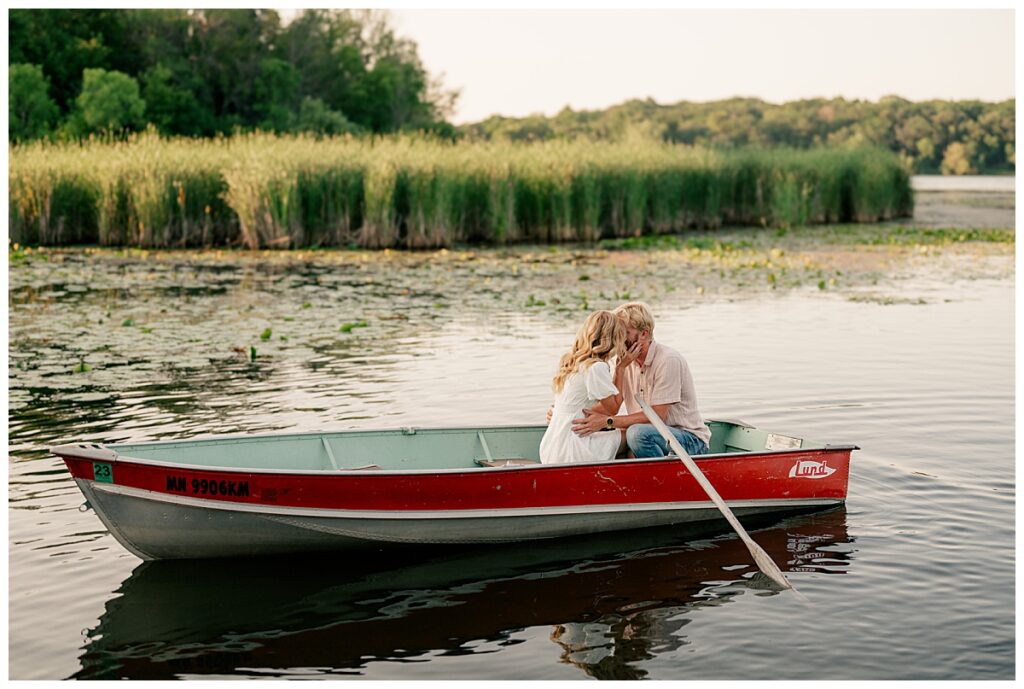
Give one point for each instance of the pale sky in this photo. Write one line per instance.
(518, 62)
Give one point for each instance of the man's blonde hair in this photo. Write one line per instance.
(637, 315)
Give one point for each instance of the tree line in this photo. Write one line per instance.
(937, 136)
(203, 73)
(210, 72)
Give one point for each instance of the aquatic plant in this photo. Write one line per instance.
(266, 191)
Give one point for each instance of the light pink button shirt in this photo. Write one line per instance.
(665, 379)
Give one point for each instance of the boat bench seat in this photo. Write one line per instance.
(507, 462)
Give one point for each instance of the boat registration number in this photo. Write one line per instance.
(179, 484)
(102, 472)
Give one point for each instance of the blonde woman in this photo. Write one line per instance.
(584, 381)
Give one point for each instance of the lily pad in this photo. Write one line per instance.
(348, 327)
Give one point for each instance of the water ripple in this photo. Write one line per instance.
(917, 572)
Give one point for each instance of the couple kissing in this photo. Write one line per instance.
(613, 360)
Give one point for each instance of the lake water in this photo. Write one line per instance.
(913, 579)
(970, 183)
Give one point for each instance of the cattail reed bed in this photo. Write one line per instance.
(264, 191)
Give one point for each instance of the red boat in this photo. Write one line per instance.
(265, 494)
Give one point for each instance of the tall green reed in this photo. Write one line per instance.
(260, 190)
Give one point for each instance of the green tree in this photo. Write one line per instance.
(315, 117)
(210, 71)
(327, 50)
(275, 94)
(109, 101)
(178, 98)
(918, 133)
(925, 153)
(31, 111)
(355, 64)
(957, 159)
(229, 47)
(172, 108)
(66, 42)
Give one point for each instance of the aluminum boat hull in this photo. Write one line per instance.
(159, 510)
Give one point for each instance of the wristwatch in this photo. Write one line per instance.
(609, 423)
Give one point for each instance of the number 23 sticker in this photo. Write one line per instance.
(102, 473)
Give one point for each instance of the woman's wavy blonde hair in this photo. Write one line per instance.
(601, 337)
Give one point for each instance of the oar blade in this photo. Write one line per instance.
(763, 561)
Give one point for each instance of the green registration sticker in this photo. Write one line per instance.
(102, 472)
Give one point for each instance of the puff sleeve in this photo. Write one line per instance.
(599, 381)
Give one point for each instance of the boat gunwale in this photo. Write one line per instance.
(282, 436)
(401, 430)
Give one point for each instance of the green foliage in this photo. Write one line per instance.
(31, 110)
(349, 327)
(66, 42)
(919, 133)
(316, 118)
(109, 102)
(71, 214)
(213, 71)
(274, 95)
(330, 72)
(957, 159)
(935, 235)
(173, 109)
(265, 191)
(16, 253)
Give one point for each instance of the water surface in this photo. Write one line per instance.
(913, 579)
(1003, 183)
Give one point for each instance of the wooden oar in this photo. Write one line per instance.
(763, 560)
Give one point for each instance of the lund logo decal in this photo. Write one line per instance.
(807, 469)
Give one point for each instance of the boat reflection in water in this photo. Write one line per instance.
(610, 600)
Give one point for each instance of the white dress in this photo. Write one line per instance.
(581, 390)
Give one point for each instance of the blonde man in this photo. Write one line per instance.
(661, 376)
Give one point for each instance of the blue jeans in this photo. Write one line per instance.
(645, 441)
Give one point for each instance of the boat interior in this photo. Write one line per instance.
(404, 449)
